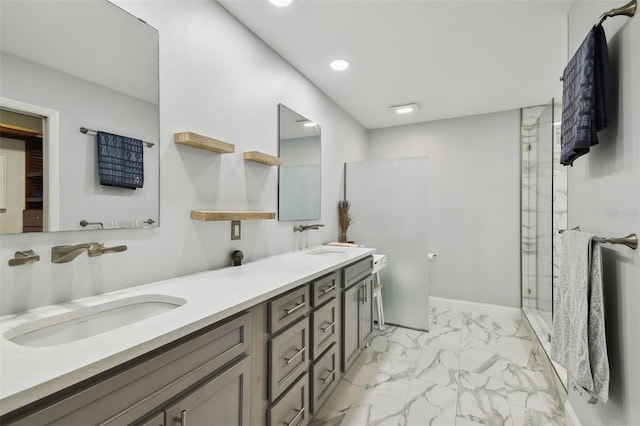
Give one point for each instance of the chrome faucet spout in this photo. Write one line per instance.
(64, 254)
(302, 228)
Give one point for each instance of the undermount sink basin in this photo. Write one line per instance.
(90, 321)
(319, 251)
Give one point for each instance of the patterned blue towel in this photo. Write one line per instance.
(586, 96)
(120, 161)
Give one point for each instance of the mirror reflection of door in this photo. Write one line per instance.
(22, 187)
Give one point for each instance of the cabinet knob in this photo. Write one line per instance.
(183, 417)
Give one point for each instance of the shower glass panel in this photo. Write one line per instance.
(389, 205)
(544, 208)
(543, 214)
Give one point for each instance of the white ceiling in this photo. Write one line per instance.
(454, 58)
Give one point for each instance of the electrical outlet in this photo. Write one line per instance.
(235, 229)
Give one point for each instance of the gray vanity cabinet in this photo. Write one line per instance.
(138, 391)
(357, 310)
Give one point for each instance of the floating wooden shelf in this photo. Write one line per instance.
(212, 215)
(260, 157)
(203, 142)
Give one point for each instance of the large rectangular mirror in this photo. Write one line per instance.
(299, 178)
(68, 65)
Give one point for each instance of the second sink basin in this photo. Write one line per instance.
(90, 321)
(320, 251)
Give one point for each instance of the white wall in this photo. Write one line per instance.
(604, 198)
(216, 79)
(474, 197)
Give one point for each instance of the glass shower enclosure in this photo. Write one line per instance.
(543, 213)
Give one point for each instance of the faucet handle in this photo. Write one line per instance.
(24, 257)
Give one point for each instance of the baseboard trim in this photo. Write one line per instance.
(496, 311)
(570, 416)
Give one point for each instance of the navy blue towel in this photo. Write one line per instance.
(120, 161)
(586, 96)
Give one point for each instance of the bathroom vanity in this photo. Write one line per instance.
(264, 343)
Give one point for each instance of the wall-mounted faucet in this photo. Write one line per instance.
(302, 228)
(64, 254)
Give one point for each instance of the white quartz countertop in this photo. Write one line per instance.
(31, 373)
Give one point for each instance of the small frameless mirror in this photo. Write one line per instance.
(299, 177)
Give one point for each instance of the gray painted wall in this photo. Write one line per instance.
(604, 198)
(474, 198)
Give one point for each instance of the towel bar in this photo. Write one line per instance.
(630, 240)
(628, 9)
(87, 131)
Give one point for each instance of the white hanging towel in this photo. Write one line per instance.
(578, 340)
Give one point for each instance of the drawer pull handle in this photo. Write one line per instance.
(298, 414)
(327, 290)
(183, 417)
(326, 379)
(331, 324)
(295, 308)
(299, 351)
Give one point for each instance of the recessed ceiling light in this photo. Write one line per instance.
(405, 108)
(280, 3)
(340, 64)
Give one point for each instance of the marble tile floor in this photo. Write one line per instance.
(467, 370)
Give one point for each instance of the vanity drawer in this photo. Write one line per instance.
(292, 409)
(325, 326)
(286, 309)
(324, 288)
(355, 272)
(288, 357)
(32, 217)
(324, 377)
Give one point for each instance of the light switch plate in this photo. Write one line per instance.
(235, 229)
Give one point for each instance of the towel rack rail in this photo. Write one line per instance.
(88, 131)
(628, 9)
(630, 240)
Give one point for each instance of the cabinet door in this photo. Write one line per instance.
(366, 310)
(157, 420)
(223, 400)
(325, 328)
(350, 325)
(324, 377)
(288, 357)
(292, 409)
